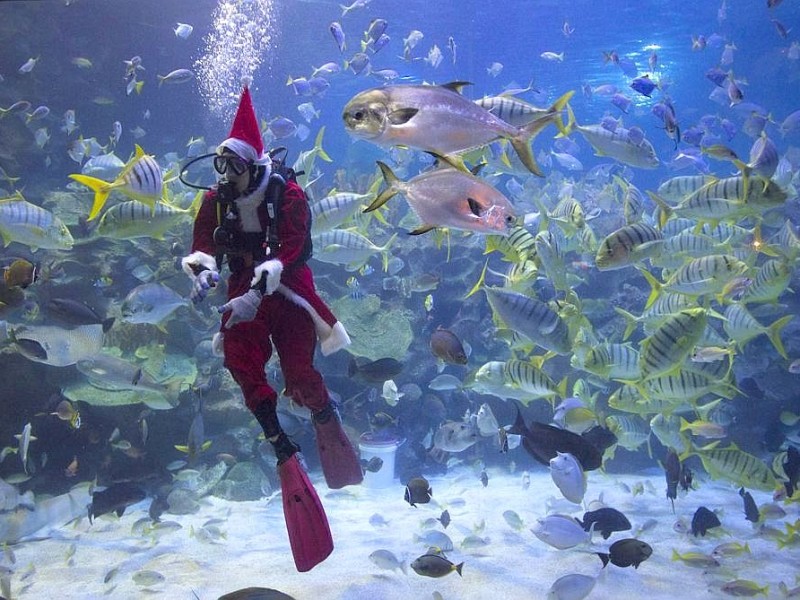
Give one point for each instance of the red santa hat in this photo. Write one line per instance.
(245, 136)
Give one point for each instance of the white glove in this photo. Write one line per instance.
(243, 308)
(203, 282)
(271, 271)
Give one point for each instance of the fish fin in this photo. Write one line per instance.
(422, 229)
(655, 287)
(402, 116)
(666, 209)
(318, 146)
(180, 448)
(774, 334)
(456, 86)
(100, 188)
(631, 322)
(478, 284)
(391, 181)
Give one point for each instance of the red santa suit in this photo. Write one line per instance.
(294, 316)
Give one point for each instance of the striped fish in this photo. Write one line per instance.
(632, 201)
(631, 431)
(705, 275)
(675, 189)
(335, 209)
(512, 110)
(666, 304)
(628, 245)
(686, 386)
(349, 248)
(738, 466)
(669, 345)
(725, 199)
(531, 317)
(667, 430)
(676, 226)
(742, 327)
(550, 257)
(490, 378)
(786, 241)
(140, 180)
(132, 219)
(611, 361)
(771, 280)
(535, 382)
(621, 144)
(517, 247)
(26, 223)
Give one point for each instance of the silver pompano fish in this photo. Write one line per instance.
(110, 372)
(61, 347)
(439, 119)
(448, 197)
(150, 303)
(26, 223)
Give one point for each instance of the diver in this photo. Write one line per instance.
(257, 219)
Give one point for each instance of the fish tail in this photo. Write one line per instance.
(631, 322)
(101, 190)
(558, 107)
(774, 334)
(318, 146)
(666, 209)
(385, 252)
(605, 558)
(391, 181)
(478, 284)
(655, 287)
(458, 568)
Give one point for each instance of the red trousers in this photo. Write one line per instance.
(248, 347)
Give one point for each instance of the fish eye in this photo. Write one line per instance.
(509, 219)
(358, 115)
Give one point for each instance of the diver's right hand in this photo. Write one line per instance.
(203, 282)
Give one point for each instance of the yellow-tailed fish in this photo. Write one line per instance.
(663, 351)
(141, 179)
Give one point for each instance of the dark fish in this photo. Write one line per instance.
(484, 478)
(20, 273)
(600, 437)
(373, 465)
(444, 519)
(672, 468)
(157, 507)
(435, 565)
(791, 466)
(606, 521)
(629, 552)
(703, 520)
(75, 312)
(256, 593)
(374, 371)
(686, 478)
(750, 509)
(446, 346)
(116, 499)
(418, 491)
(644, 85)
(543, 442)
(717, 76)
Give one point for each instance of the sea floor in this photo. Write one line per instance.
(78, 560)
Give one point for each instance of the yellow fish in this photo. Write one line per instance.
(141, 179)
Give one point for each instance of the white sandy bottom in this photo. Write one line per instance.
(515, 564)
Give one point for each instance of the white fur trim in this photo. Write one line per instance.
(197, 259)
(331, 339)
(272, 269)
(248, 206)
(245, 150)
(335, 341)
(216, 345)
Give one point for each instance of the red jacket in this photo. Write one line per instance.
(296, 279)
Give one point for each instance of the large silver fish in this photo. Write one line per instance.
(437, 118)
(150, 303)
(449, 197)
(106, 371)
(455, 436)
(57, 346)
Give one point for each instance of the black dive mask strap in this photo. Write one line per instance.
(189, 164)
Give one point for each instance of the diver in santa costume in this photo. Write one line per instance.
(257, 220)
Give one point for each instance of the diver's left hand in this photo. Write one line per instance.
(243, 308)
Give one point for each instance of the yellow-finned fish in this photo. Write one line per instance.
(705, 275)
(738, 466)
(627, 245)
(132, 219)
(664, 351)
(26, 223)
(771, 280)
(741, 327)
(140, 179)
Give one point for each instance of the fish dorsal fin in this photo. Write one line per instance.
(402, 116)
(456, 86)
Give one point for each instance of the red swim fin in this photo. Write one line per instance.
(306, 523)
(339, 460)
